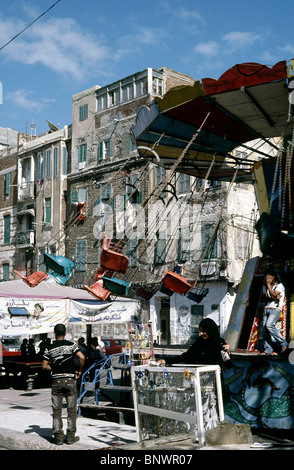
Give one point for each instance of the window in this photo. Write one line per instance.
(196, 317)
(104, 150)
(113, 97)
(242, 242)
(160, 174)
(105, 192)
(81, 253)
(127, 92)
(157, 86)
(55, 162)
(183, 183)
(82, 153)
(206, 231)
(78, 195)
(133, 195)
(64, 161)
(83, 112)
(141, 87)
(48, 164)
(101, 102)
(184, 245)
(160, 248)
(47, 211)
(42, 265)
(40, 168)
(7, 183)
(5, 268)
(131, 251)
(7, 229)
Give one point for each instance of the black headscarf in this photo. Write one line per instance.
(210, 327)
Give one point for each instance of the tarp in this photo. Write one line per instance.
(247, 102)
(28, 311)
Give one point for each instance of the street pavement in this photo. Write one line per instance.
(26, 420)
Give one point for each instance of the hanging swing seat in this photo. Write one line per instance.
(272, 241)
(112, 257)
(175, 282)
(98, 291)
(33, 279)
(116, 286)
(197, 296)
(146, 294)
(166, 291)
(59, 267)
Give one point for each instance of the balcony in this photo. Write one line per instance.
(26, 191)
(25, 239)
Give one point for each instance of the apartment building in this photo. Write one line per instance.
(41, 198)
(8, 201)
(107, 176)
(111, 192)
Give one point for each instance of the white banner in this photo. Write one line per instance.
(20, 317)
(115, 312)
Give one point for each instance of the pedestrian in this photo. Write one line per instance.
(209, 348)
(31, 350)
(59, 359)
(24, 349)
(270, 336)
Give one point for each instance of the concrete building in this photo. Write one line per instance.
(9, 144)
(105, 168)
(111, 192)
(41, 198)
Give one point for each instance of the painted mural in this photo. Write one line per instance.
(260, 392)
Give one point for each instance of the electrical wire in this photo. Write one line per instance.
(29, 25)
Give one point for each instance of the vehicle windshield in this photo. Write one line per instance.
(10, 342)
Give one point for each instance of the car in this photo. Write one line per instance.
(9, 347)
(113, 346)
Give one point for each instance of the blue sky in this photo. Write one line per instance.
(82, 43)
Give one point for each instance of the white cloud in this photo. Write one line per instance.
(229, 43)
(238, 39)
(25, 99)
(207, 48)
(190, 15)
(59, 44)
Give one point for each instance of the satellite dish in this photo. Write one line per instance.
(52, 126)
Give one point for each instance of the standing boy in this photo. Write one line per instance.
(59, 359)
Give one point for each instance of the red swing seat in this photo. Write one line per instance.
(98, 291)
(33, 279)
(175, 282)
(112, 259)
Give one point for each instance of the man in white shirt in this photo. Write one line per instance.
(275, 297)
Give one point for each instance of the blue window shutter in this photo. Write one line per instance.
(7, 229)
(7, 184)
(55, 162)
(81, 253)
(64, 161)
(100, 151)
(48, 164)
